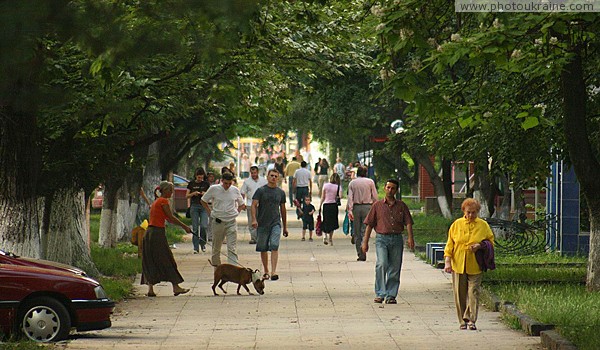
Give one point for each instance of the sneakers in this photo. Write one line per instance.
(195, 251)
(203, 249)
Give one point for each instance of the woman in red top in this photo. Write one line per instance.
(158, 263)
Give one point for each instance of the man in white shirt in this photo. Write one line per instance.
(248, 188)
(361, 195)
(302, 184)
(227, 202)
(340, 169)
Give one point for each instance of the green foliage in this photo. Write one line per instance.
(25, 345)
(570, 307)
(430, 228)
(121, 261)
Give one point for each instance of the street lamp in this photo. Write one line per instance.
(397, 127)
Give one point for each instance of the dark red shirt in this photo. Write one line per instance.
(388, 219)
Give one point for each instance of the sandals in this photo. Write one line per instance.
(463, 326)
(182, 291)
(472, 326)
(391, 301)
(378, 300)
(274, 277)
(266, 276)
(150, 295)
(303, 239)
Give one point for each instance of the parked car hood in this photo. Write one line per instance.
(13, 259)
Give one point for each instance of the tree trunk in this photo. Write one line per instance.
(438, 185)
(447, 181)
(151, 179)
(20, 206)
(66, 235)
(504, 211)
(482, 188)
(581, 152)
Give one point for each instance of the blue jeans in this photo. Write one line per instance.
(389, 250)
(199, 218)
(301, 192)
(268, 238)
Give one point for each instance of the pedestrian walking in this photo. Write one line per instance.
(227, 202)
(361, 195)
(268, 215)
(290, 170)
(323, 174)
(195, 190)
(465, 238)
(302, 183)
(280, 167)
(308, 221)
(248, 189)
(329, 205)
(340, 169)
(158, 263)
(388, 217)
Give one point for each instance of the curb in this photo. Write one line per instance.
(550, 339)
(528, 324)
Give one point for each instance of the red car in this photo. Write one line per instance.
(44, 303)
(179, 199)
(13, 259)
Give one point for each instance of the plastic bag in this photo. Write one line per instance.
(318, 230)
(346, 224)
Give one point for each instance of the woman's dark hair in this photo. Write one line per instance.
(200, 171)
(361, 171)
(225, 170)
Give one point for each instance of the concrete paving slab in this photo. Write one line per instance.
(323, 300)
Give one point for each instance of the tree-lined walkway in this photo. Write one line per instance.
(324, 300)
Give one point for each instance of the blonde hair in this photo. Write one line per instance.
(163, 187)
(470, 203)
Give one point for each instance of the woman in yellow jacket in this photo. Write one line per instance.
(464, 238)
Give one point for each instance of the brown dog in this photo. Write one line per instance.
(242, 276)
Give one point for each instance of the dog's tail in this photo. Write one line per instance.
(211, 264)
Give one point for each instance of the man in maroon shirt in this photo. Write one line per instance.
(388, 217)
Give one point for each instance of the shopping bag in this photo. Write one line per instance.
(346, 224)
(318, 229)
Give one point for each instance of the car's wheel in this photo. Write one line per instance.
(44, 319)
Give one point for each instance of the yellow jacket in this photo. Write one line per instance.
(461, 236)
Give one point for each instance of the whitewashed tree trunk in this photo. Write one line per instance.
(444, 207)
(66, 237)
(21, 226)
(485, 210)
(593, 270)
(106, 237)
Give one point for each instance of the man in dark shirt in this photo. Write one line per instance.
(268, 215)
(388, 217)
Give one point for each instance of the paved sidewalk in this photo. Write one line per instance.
(323, 300)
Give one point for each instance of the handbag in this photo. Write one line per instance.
(188, 214)
(338, 200)
(346, 224)
(318, 230)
